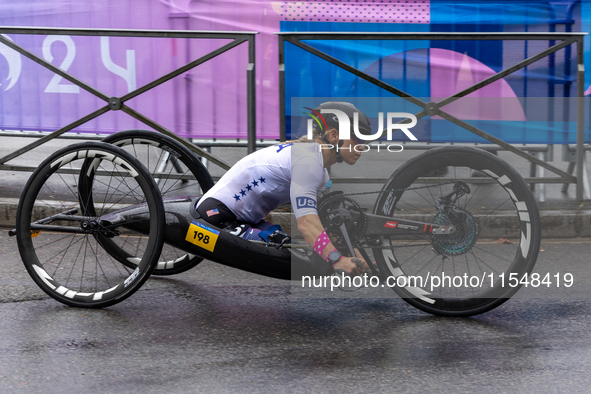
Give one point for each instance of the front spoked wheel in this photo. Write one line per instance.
(497, 231)
(177, 172)
(58, 235)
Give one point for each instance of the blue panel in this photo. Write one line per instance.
(490, 12)
(404, 64)
(531, 132)
(486, 52)
(310, 76)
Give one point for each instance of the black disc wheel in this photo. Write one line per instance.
(58, 237)
(496, 231)
(177, 172)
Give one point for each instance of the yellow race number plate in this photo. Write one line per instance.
(203, 236)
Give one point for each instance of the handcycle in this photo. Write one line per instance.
(96, 219)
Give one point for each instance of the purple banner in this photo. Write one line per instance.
(206, 102)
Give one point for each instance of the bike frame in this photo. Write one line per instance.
(183, 227)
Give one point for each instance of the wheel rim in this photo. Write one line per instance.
(73, 267)
(497, 243)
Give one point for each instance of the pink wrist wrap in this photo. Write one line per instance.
(321, 243)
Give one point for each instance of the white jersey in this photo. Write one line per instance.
(272, 176)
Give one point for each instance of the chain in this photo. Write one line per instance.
(366, 246)
(360, 194)
(399, 190)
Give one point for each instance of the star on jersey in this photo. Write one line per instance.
(248, 188)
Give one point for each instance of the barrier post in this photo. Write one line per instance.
(580, 118)
(251, 97)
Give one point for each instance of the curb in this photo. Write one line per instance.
(555, 223)
(8, 208)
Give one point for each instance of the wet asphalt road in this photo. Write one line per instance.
(216, 329)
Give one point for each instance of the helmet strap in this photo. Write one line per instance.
(338, 156)
(337, 153)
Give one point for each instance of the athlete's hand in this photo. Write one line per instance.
(351, 267)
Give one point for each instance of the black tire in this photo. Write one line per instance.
(499, 237)
(154, 149)
(71, 266)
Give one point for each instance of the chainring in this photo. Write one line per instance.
(461, 241)
(335, 209)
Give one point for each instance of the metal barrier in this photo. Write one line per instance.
(118, 103)
(434, 108)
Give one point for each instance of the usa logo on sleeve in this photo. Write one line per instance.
(305, 202)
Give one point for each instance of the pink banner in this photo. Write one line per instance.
(208, 101)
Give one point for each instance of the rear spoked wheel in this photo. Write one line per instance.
(58, 230)
(497, 231)
(177, 172)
